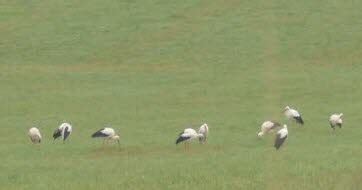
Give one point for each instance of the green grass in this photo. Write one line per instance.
(152, 68)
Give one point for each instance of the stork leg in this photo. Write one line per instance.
(334, 131)
(201, 140)
(119, 144)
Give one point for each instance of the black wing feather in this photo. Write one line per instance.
(279, 141)
(57, 133)
(66, 133)
(181, 138)
(99, 134)
(299, 120)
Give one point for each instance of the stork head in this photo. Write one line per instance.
(285, 126)
(286, 108)
(341, 114)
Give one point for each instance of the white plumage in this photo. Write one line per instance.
(34, 135)
(63, 131)
(204, 130)
(188, 135)
(293, 114)
(115, 138)
(267, 126)
(107, 133)
(336, 120)
(281, 136)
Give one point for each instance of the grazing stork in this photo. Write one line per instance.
(34, 135)
(336, 120)
(64, 130)
(107, 133)
(281, 136)
(293, 114)
(187, 135)
(267, 126)
(204, 130)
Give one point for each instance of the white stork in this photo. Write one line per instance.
(281, 136)
(267, 126)
(34, 135)
(107, 133)
(293, 114)
(204, 130)
(336, 120)
(64, 130)
(187, 135)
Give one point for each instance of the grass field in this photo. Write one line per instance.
(152, 68)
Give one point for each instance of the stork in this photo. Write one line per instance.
(63, 131)
(204, 130)
(107, 133)
(267, 126)
(188, 135)
(281, 136)
(293, 114)
(34, 135)
(336, 120)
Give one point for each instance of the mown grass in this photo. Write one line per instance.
(150, 69)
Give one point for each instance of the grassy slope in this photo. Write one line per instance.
(152, 68)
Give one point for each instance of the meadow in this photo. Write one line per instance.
(150, 69)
